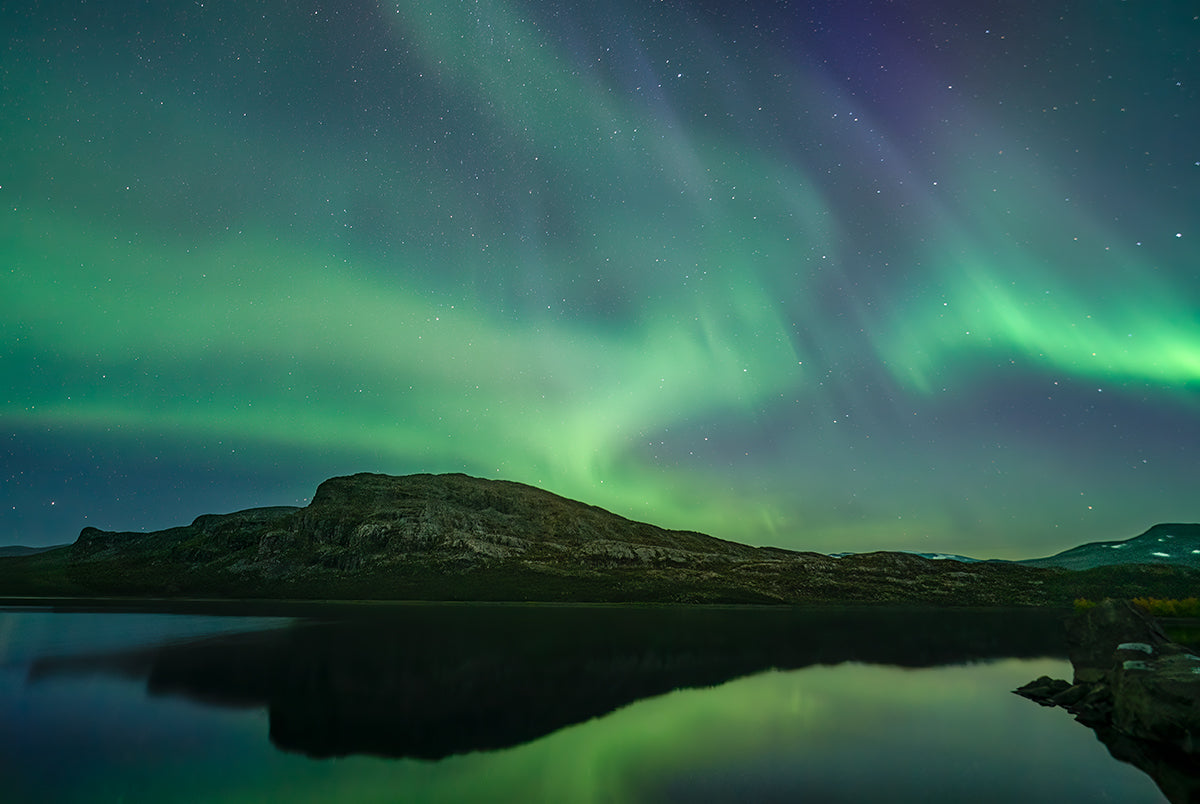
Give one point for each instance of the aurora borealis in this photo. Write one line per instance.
(824, 276)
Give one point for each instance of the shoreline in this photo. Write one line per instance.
(300, 607)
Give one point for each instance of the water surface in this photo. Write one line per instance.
(562, 704)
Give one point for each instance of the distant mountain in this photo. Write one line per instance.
(454, 537)
(1175, 545)
(18, 550)
(931, 556)
(949, 557)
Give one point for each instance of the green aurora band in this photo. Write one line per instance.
(694, 279)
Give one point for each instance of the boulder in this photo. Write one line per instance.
(1095, 635)
(1138, 690)
(1158, 698)
(1043, 689)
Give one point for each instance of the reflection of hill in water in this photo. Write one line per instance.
(431, 681)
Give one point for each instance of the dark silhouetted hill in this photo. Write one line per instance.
(454, 537)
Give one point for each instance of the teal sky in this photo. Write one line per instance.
(876, 277)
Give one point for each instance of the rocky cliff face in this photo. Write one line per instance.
(386, 536)
(454, 537)
(466, 520)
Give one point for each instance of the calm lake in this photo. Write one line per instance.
(446, 703)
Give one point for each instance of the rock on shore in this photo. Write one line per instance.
(1139, 690)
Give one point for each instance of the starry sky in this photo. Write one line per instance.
(826, 276)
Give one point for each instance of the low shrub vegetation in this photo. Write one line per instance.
(1160, 607)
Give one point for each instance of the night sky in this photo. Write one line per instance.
(827, 276)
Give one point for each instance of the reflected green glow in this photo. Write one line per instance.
(809, 732)
(805, 732)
